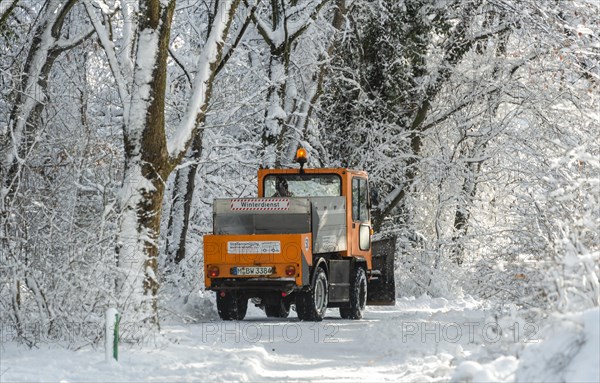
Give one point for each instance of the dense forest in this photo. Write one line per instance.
(121, 120)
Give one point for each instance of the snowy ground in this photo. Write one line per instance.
(418, 340)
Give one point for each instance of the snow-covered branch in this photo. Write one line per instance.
(66, 44)
(205, 71)
(296, 28)
(113, 61)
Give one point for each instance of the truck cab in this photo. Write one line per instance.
(306, 240)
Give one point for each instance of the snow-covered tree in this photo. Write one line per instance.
(429, 101)
(35, 36)
(283, 45)
(477, 121)
(151, 153)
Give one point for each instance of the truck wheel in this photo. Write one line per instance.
(358, 296)
(278, 310)
(312, 304)
(231, 306)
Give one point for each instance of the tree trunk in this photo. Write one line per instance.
(281, 104)
(147, 164)
(301, 119)
(183, 193)
(149, 158)
(276, 114)
(462, 214)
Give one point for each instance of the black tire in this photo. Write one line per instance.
(311, 305)
(278, 310)
(358, 295)
(231, 306)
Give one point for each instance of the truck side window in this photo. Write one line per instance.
(360, 211)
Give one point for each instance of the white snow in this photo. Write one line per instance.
(420, 340)
(103, 6)
(260, 349)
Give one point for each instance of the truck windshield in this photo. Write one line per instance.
(302, 185)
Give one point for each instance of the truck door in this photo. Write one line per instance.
(361, 221)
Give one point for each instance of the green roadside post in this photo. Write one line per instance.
(111, 335)
(116, 337)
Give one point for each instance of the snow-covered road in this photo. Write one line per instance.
(418, 340)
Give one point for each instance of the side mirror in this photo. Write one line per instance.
(374, 200)
(364, 237)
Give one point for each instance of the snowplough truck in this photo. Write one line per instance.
(305, 241)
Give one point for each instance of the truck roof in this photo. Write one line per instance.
(264, 172)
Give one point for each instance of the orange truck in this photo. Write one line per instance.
(305, 241)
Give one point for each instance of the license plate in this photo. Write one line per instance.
(252, 270)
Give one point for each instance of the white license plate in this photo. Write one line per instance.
(252, 270)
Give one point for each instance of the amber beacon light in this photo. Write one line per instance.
(301, 157)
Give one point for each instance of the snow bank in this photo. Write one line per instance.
(500, 370)
(567, 350)
(585, 367)
(570, 351)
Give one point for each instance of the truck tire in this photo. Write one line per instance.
(311, 305)
(358, 295)
(231, 306)
(278, 310)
